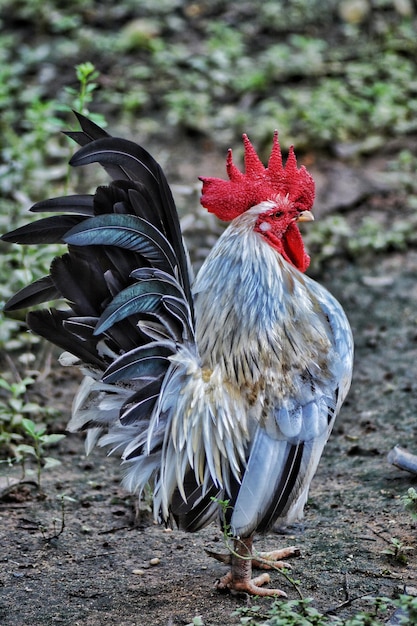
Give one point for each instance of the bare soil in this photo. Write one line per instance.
(110, 564)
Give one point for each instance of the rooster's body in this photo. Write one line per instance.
(225, 390)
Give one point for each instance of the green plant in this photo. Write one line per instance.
(13, 409)
(302, 613)
(408, 606)
(397, 551)
(40, 440)
(82, 96)
(404, 168)
(20, 437)
(197, 621)
(335, 235)
(410, 502)
(224, 506)
(288, 613)
(23, 177)
(58, 530)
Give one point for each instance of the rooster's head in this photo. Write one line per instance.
(279, 195)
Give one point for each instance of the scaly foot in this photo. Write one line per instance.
(239, 578)
(260, 560)
(252, 586)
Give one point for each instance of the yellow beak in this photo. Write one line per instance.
(305, 216)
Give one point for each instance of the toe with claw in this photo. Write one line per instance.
(239, 578)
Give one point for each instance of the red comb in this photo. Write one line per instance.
(229, 198)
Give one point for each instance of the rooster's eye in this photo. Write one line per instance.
(278, 214)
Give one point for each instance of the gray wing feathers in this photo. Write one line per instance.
(288, 444)
(278, 473)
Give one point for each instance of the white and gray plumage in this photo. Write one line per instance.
(226, 389)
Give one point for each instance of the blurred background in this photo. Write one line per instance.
(338, 79)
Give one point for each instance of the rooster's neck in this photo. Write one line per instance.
(252, 308)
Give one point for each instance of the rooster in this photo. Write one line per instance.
(219, 392)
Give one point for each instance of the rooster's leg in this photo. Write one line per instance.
(240, 579)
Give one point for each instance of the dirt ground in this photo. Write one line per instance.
(109, 565)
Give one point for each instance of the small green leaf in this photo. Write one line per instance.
(32, 429)
(48, 440)
(25, 450)
(50, 462)
(5, 385)
(62, 497)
